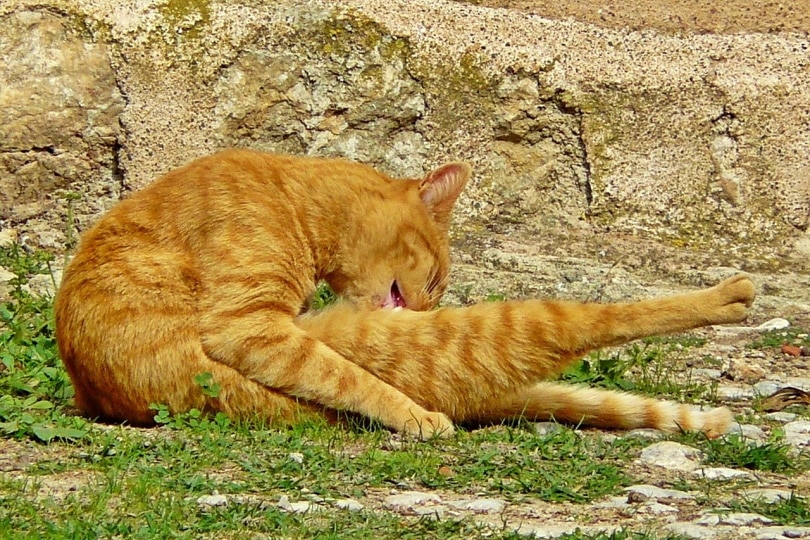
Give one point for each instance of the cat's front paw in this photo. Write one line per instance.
(732, 298)
(428, 425)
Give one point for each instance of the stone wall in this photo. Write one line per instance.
(618, 148)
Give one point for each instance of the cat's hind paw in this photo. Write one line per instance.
(732, 298)
(428, 425)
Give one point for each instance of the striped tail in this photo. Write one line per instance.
(604, 408)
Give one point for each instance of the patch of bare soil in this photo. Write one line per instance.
(673, 16)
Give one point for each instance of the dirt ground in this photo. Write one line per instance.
(674, 15)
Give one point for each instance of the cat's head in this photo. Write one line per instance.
(400, 253)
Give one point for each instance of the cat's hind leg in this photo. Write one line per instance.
(454, 360)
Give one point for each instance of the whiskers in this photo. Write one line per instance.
(435, 286)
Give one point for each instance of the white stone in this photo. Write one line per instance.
(613, 502)
(645, 433)
(300, 507)
(691, 530)
(802, 383)
(6, 276)
(296, 457)
(481, 506)
(709, 520)
(349, 504)
(8, 237)
(722, 473)
(658, 509)
(707, 373)
(672, 455)
(767, 495)
(432, 512)
(744, 519)
(795, 532)
(797, 433)
(781, 416)
(766, 388)
(748, 431)
(410, 499)
(774, 324)
(734, 393)
(555, 530)
(546, 428)
(215, 499)
(657, 493)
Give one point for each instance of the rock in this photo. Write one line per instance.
(296, 457)
(773, 324)
(794, 532)
(300, 507)
(722, 473)
(748, 431)
(767, 495)
(797, 434)
(744, 519)
(555, 530)
(691, 530)
(349, 504)
(59, 123)
(744, 370)
(481, 506)
(8, 237)
(547, 428)
(646, 492)
(802, 383)
(431, 512)
(734, 393)
(643, 148)
(645, 433)
(215, 499)
(672, 455)
(43, 285)
(781, 416)
(707, 373)
(766, 388)
(616, 502)
(409, 500)
(658, 509)
(6, 275)
(791, 350)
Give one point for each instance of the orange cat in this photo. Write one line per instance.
(208, 268)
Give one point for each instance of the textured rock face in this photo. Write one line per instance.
(674, 148)
(59, 123)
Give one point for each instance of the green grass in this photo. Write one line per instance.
(792, 511)
(156, 478)
(134, 483)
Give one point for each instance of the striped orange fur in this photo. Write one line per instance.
(208, 268)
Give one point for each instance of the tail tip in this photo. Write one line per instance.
(716, 422)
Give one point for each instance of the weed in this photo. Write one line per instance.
(736, 451)
(644, 367)
(34, 388)
(323, 297)
(777, 338)
(794, 510)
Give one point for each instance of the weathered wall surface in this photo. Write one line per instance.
(597, 152)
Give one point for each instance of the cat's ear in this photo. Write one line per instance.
(440, 189)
